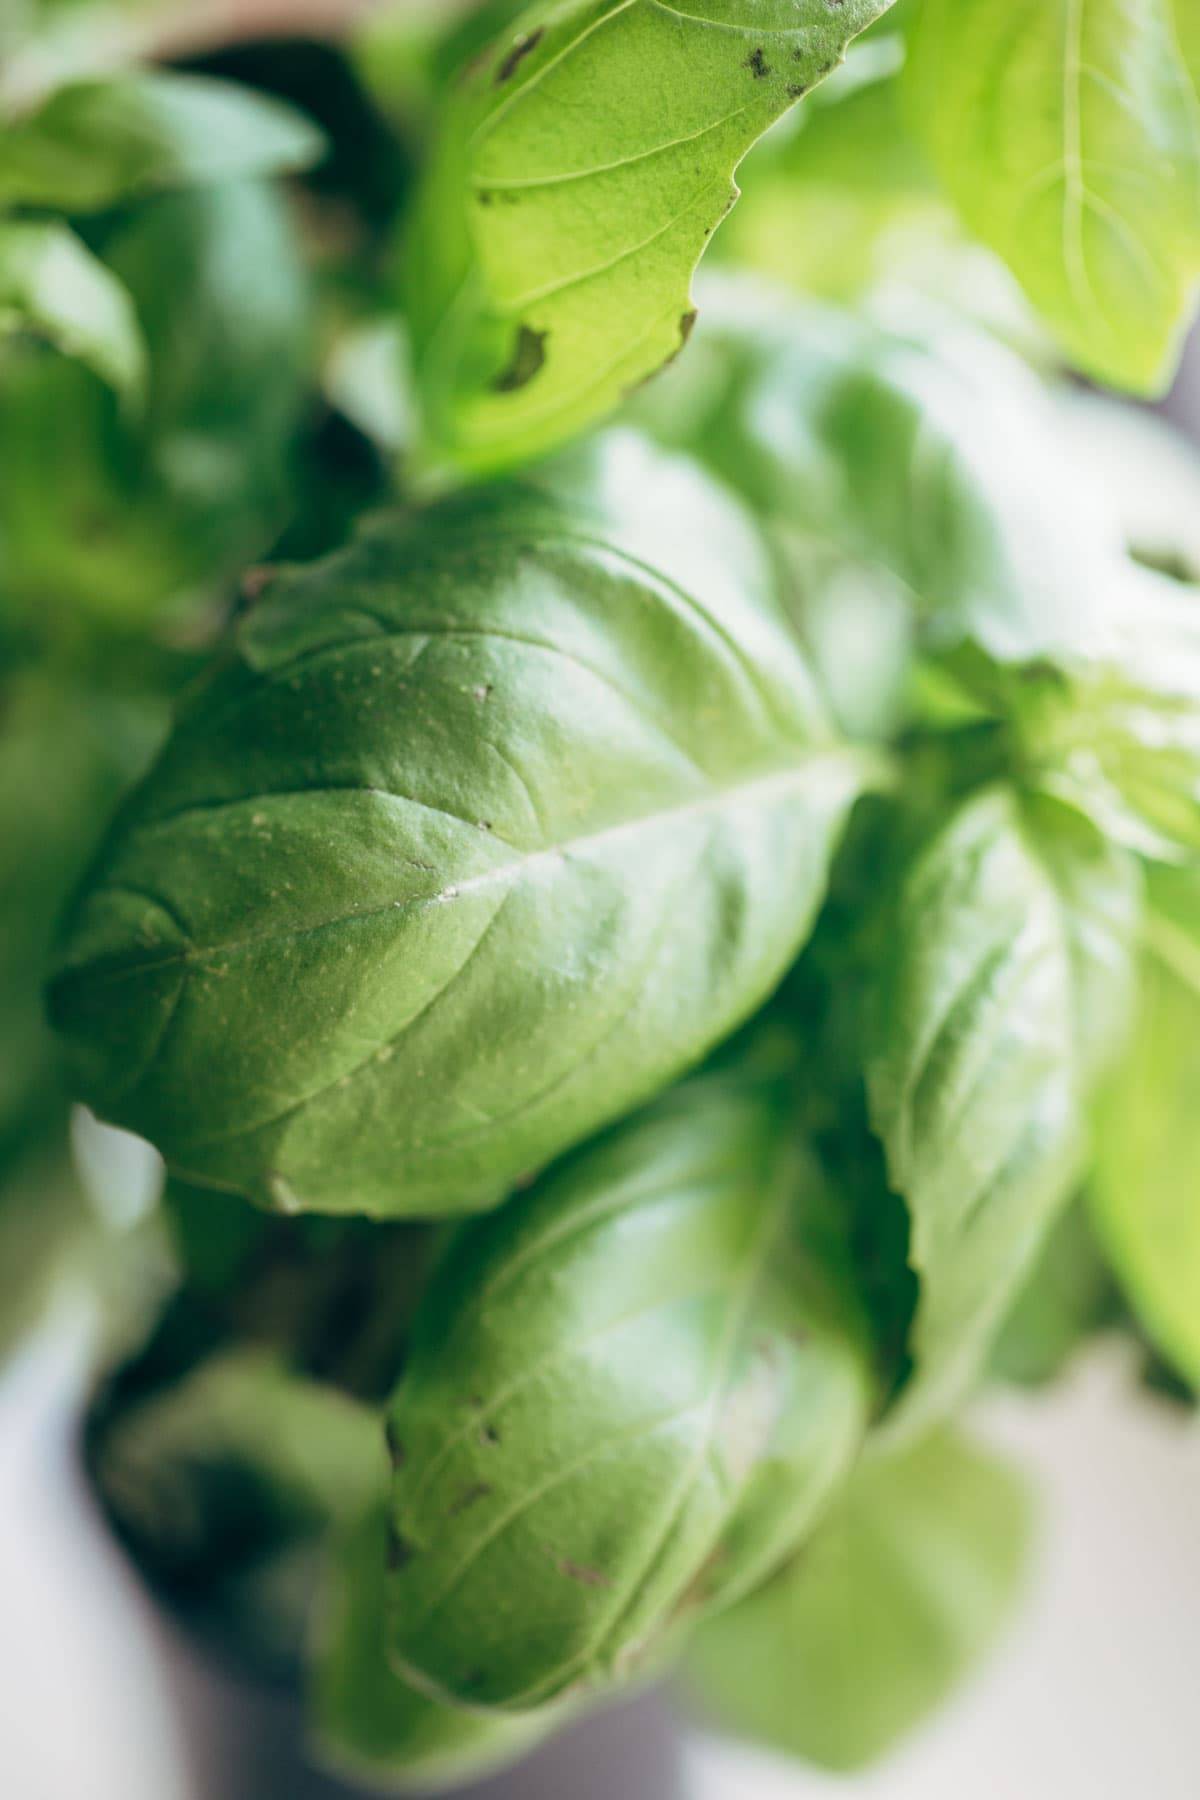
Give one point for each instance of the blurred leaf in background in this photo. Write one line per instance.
(112, 517)
(1147, 1178)
(897, 1597)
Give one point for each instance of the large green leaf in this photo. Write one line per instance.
(1068, 134)
(1007, 991)
(877, 1621)
(926, 458)
(365, 1721)
(96, 143)
(492, 824)
(630, 1391)
(117, 515)
(52, 287)
(582, 166)
(1147, 1177)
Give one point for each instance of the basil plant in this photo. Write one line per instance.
(660, 946)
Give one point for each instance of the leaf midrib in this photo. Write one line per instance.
(796, 775)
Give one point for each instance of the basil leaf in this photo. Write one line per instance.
(95, 143)
(224, 1482)
(840, 195)
(485, 833)
(931, 458)
(1118, 736)
(1144, 1187)
(118, 515)
(1068, 1295)
(580, 170)
(54, 288)
(884, 1613)
(367, 1723)
(74, 749)
(1008, 991)
(1069, 139)
(630, 1391)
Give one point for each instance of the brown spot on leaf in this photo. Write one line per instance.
(483, 692)
(593, 1578)
(795, 91)
(471, 1496)
(757, 64)
(516, 56)
(529, 354)
(489, 1436)
(256, 581)
(686, 325)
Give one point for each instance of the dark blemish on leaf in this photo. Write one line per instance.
(485, 196)
(489, 1436)
(256, 581)
(483, 692)
(686, 323)
(395, 1447)
(399, 1551)
(529, 354)
(593, 1578)
(757, 64)
(479, 1490)
(516, 56)
(795, 91)
(483, 824)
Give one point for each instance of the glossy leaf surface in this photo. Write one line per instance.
(1008, 991)
(490, 826)
(630, 1392)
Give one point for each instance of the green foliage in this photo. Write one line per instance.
(224, 1484)
(1118, 735)
(899, 1594)
(582, 164)
(408, 881)
(630, 1393)
(1068, 1294)
(839, 694)
(93, 144)
(926, 455)
(51, 287)
(1068, 135)
(119, 515)
(1007, 988)
(368, 1723)
(1148, 1128)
